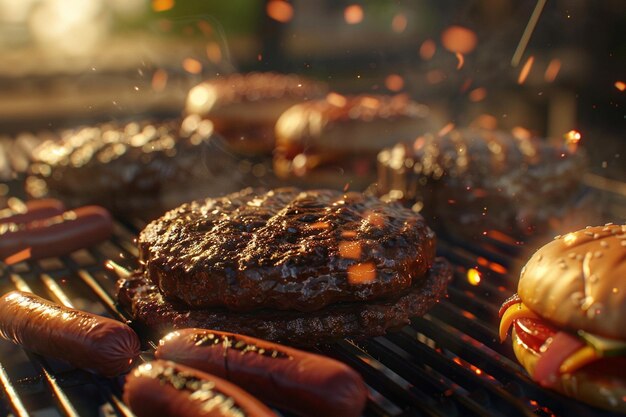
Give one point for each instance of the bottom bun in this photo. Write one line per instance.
(592, 385)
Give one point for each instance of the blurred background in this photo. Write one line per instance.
(480, 62)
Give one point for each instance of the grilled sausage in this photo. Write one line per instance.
(163, 388)
(83, 339)
(301, 382)
(34, 210)
(58, 235)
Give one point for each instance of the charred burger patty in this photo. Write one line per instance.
(286, 265)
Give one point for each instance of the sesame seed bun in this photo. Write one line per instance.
(578, 281)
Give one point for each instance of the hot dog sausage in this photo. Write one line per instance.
(34, 210)
(83, 339)
(163, 388)
(298, 381)
(58, 235)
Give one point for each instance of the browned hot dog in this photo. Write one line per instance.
(301, 382)
(58, 235)
(83, 339)
(34, 210)
(163, 388)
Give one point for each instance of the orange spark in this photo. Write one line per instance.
(320, 225)
(620, 85)
(353, 14)
(363, 273)
(459, 39)
(162, 5)
(214, 52)
(18, 257)
(525, 70)
(571, 140)
(399, 23)
(428, 49)
(446, 129)
(461, 59)
(552, 71)
(394, 82)
(192, 66)
(473, 276)
(336, 99)
(159, 80)
(477, 94)
(279, 10)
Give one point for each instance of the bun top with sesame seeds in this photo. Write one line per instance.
(578, 281)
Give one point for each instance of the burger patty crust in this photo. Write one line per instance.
(285, 249)
(349, 319)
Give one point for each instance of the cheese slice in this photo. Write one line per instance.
(578, 359)
(514, 312)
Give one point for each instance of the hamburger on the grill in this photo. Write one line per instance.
(245, 107)
(334, 141)
(303, 267)
(567, 317)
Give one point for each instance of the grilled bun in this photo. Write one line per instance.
(592, 385)
(578, 281)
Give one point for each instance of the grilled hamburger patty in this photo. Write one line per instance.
(352, 319)
(285, 249)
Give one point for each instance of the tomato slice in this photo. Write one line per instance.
(558, 348)
(533, 333)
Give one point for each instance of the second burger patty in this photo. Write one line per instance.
(285, 249)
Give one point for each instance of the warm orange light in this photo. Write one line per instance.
(319, 225)
(459, 39)
(353, 14)
(552, 71)
(192, 66)
(159, 80)
(394, 82)
(461, 59)
(495, 267)
(521, 133)
(214, 52)
(478, 94)
(525, 70)
(375, 219)
(428, 49)
(446, 129)
(162, 5)
(485, 121)
(347, 234)
(336, 99)
(279, 10)
(18, 257)
(350, 249)
(399, 23)
(620, 85)
(573, 137)
(364, 273)
(473, 276)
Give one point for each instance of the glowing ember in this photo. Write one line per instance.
(336, 99)
(620, 85)
(162, 5)
(399, 23)
(477, 94)
(521, 133)
(571, 140)
(350, 249)
(159, 80)
(552, 71)
(461, 60)
(473, 276)
(458, 39)
(353, 14)
(214, 52)
(375, 219)
(394, 82)
(525, 70)
(361, 273)
(192, 66)
(347, 234)
(319, 226)
(279, 10)
(18, 257)
(428, 49)
(446, 129)
(485, 121)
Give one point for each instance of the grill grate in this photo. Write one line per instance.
(447, 363)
